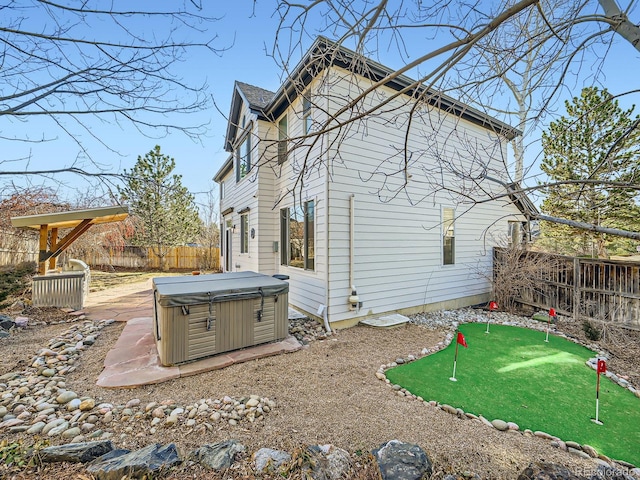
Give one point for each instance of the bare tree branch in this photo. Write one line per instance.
(473, 52)
(76, 64)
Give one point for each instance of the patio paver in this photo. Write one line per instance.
(134, 361)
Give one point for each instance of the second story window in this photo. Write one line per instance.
(282, 140)
(306, 114)
(243, 157)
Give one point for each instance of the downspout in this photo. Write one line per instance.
(325, 315)
(351, 229)
(354, 301)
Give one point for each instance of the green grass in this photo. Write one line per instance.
(512, 374)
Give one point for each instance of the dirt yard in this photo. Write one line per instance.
(325, 393)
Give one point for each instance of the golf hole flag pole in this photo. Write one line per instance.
(459, 341)
(492, 306)
(552, 314)
(600, 368)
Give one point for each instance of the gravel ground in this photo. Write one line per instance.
(325, 393)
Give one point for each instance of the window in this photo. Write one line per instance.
(244, 233)
(517, 232)
(448, 236)
(222, 191)
(297, 236)
(243, 151)
(282, 140)
(306, 114)
(243, 157)
(309, 235)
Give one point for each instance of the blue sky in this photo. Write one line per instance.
(242, 29)
(248, 28)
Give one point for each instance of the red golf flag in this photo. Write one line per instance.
(461, 340)
(552, 312)
(602, 366)
(492, 306)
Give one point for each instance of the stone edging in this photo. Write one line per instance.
(584, 451)
(36, 401)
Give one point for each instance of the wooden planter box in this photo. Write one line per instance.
(204, 315)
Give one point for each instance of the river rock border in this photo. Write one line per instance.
(449, 320)
(36, 401)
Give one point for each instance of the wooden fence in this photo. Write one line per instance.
(15, 248)
(13, 257)
(607, 290)
(178, 258)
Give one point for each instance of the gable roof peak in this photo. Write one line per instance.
(257, 97)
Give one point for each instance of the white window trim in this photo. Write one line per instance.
(284, 249)
(307, 118)
(442, 236)
(283, 157)
(237, 152)
(243, 233)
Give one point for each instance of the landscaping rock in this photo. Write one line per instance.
(21, 322)
(547, 471)
(449, 409)
(58, 429)
(72, 432)
(576, 452)
(76, 452)
(500, 425)
(87, 404)
(329, 462)
(592, 452)
(66, 397)
(267, 459)
(52, 424)
(402, 461)
(6, 322)
(147, 462)
(218, 456)
(36, 428)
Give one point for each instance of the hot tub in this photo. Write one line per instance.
(204, 315)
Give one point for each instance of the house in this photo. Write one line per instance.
(363, 212)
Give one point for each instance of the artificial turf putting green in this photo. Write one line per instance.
(512, 374)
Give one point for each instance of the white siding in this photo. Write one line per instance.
(241, 195)
(268, 218)
(397, 260)
(398, 233)
(307, 289)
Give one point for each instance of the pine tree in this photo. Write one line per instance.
(165, 212)
(594, 150)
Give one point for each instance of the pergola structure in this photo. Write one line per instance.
(78, 220)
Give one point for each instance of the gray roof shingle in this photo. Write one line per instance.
(257, 97)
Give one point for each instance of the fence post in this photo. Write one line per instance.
(576, 288)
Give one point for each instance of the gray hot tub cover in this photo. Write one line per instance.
(221, 287)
